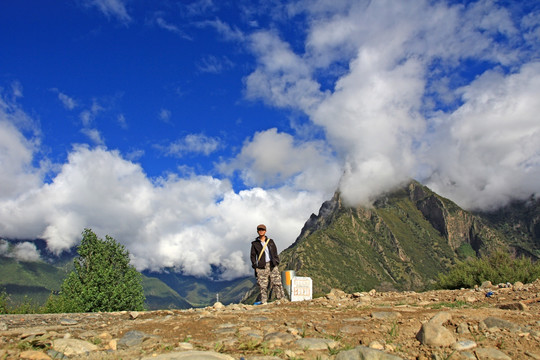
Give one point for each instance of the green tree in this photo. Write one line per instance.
(102, 280)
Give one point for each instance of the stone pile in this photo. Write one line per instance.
(488, 322)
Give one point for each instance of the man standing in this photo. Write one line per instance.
(265, 261)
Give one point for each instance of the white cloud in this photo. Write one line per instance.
(282, 77)
(165, 115)
(17, 89)
(4, 247)
(193, 143)
(188, 223)
(228, 32)
(68, 102)
(273, 158)
(214, 65)
(112, 8)
(162, 23)
(121, 119)
(489, 152)
(16, 153)
(94, 135)
(391, 65)
(25, 251)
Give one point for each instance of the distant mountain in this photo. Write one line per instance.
(202, 291)
(401, 243)
(34, 282)
(160, 296)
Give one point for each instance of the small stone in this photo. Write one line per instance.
(464, 345)
(363, 352)
(34, 355)
(290, 354)
(385, 315)
(376, 345)
(514, 306)
(316, 344)
(132, 338)
(441, 318)
(493, 322)
(113, 344)
(185, 346)
(134, 314)
(278, 338)
(71, 347)
(68, 322)
(486, 285)
(518, 286)
(491, 354)
(463, 328)
(433, 334)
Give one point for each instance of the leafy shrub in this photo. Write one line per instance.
(498, 268)
(102, 280)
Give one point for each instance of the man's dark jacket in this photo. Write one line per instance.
(256, 248)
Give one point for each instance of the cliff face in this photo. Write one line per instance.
(519, 222)
(401, 243)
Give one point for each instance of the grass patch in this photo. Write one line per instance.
(459, 304)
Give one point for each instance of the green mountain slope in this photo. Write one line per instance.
(203, 292)
(401, 243)
(35, 281)
(160, 296)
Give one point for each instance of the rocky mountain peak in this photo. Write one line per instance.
(401, 242)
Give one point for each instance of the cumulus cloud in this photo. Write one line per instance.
(23, 251)
(414, 90)
(18, 176)
(272, 158)
(487, 152)
(193, 223)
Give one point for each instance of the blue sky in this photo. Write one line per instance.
(178, 126)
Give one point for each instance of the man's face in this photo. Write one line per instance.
(261, 231)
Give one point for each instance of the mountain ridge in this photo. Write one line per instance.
(401, 242)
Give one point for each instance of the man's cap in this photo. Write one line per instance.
(261, 226)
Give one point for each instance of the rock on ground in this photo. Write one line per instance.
(454, 325)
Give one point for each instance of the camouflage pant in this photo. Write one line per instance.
(275, 282)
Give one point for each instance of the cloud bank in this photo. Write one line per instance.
(194, 224)
(442, 93)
